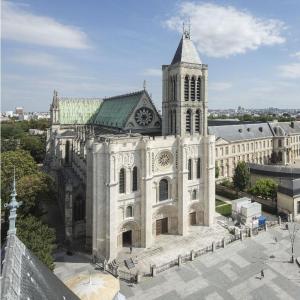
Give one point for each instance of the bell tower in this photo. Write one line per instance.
(184, 103)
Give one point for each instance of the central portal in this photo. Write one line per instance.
(127, 238)
(162, 226)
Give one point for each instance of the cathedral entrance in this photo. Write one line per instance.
(127, 238)
(193, 218)
(162, 226)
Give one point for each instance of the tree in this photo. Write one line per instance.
(265, 188)
(217, 171)
(36, 145)
(33, 190)
(38, 237)
(24, 165)
(241, 177)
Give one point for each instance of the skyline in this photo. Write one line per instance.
(95, 50)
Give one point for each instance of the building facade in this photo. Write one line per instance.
(125, 173)
(259, 143)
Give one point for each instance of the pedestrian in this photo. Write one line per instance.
(275, 238)
(130, 248)
(262, 274)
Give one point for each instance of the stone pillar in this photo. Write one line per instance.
(192, 255)
(224, 243)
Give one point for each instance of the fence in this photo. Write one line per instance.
(243, 233)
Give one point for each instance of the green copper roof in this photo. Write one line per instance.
(115, 111)
(78, 111)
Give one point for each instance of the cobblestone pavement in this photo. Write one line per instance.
(230, 273)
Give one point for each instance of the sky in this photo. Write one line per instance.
(103, 48)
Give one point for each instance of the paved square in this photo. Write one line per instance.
(230, 273)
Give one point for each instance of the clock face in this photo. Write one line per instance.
(164, 159)
(144, 116)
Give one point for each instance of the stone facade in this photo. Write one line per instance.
(137, 183)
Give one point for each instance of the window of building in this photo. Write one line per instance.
(279, 143)
(226, 150)
(197, 121)
(122, 181)
(194, 194)
(129, 211)
(198, 167)
(216, 152)
(239, 148)
(163, 190)
(199, 89)
(134, 179)
(193, 87)
(186, 88)
(233, 149)
(189, 169)
(188, 121)
(243, 148)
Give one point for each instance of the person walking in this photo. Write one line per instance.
(262, 274)
(130, 248)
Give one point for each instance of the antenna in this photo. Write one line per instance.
(144, 85)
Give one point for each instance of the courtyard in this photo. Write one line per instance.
(230, 273)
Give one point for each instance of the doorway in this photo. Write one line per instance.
(193, 218)
(127, 238)
(162, 226)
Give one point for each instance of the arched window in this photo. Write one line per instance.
(186, 88)
(189, 169)
(174, 118)
(193, 87)
(122, 181)
(199, 89)
(129, 212)
(197, 121)
(163, 190)
(280, 156)
(194, 195)
(134, 179)
(79, 209)
(198, 168)
(188, 121)
(174, 88)
(171, 121)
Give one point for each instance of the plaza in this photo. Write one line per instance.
(230, 273)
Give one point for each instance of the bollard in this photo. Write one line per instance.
(213, 246)
(279, 220)
(105, 265)
(266, 227)
(241, 235)
(138, 277)
(153, 270)
(250, 232)
(179, 260)
(224, 243)
(192, 255)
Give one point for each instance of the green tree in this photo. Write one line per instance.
(217, 171)
(33, 190)
(24, 165)
(241, 177)
(38, 237)
(265, 188)
(36, 145)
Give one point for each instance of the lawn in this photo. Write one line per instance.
(223, 208)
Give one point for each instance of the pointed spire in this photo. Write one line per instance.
(13, 205)
(144, 85)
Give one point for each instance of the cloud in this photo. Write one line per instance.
(219, 86)
(21, 25)
(291, 71)
(222, 31)
(153, 72)
(297, 54)
(40, 60)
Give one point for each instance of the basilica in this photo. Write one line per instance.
(127, 174)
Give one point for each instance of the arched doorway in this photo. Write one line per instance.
(129, 235)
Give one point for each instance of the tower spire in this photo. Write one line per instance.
(13, 205)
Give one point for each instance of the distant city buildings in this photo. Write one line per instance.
(20, 115)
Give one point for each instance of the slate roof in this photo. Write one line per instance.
(116, 110)
(240, 132)
(25, 277)
(289, 128)
(186, 52)
(78, 110)
(290, 187)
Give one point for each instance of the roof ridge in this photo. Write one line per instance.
(124, 95)
(79, 98)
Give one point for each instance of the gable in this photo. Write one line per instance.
(144, 116)
(221, 141)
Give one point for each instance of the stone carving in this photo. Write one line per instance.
(144, 116)
(164, 159)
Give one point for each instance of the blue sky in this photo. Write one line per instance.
(104, 48)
